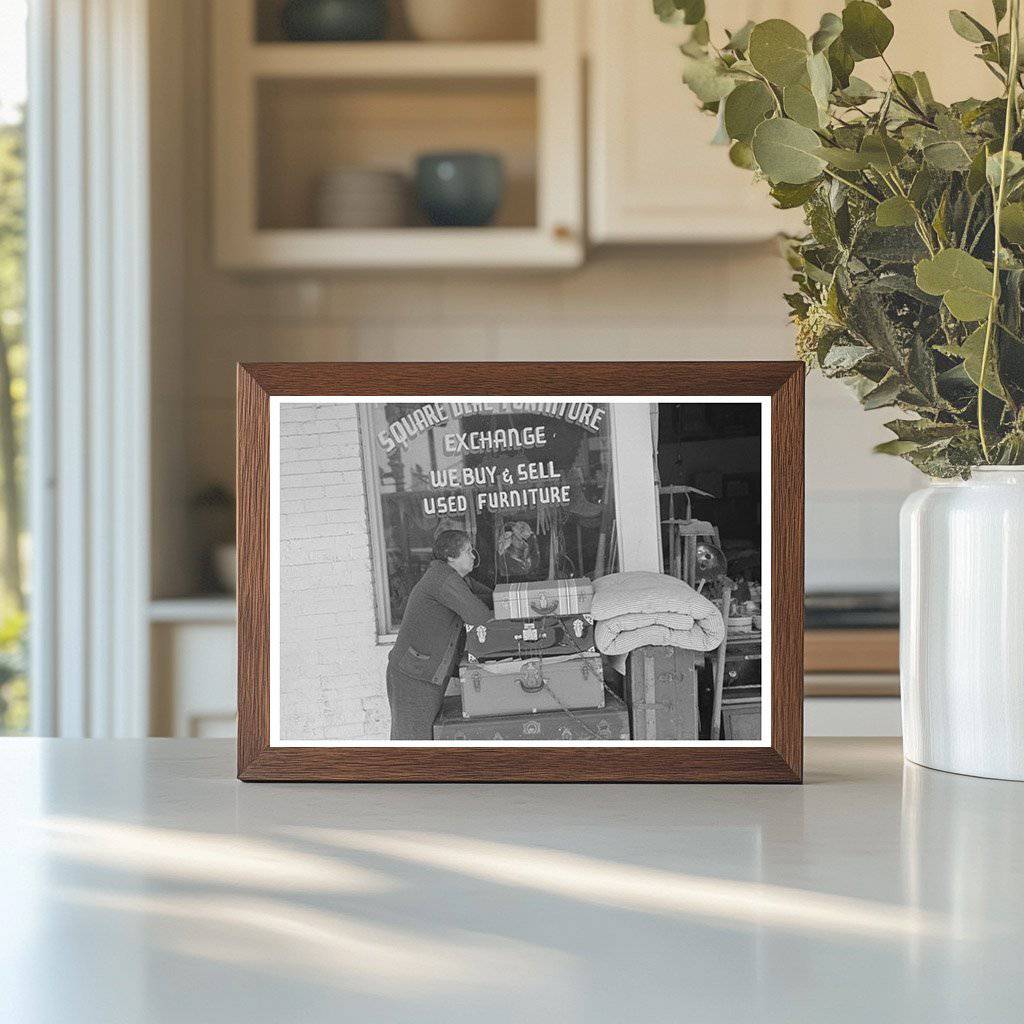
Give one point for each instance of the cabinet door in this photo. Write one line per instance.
(654, 177)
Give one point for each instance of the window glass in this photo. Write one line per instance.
(14, 693)
(531, 484)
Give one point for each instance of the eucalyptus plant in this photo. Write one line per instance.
(910, 277)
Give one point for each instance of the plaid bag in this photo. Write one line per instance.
(543, 597)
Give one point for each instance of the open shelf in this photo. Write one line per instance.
(520, 22)
(208, 608)
(406, 248)
(390, 60)
(286, 114)
(309, 127)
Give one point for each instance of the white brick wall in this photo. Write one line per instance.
(332, 668)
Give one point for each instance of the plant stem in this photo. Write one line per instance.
(853, 185)
(1011, 108)
(775, 98)
(980, 232)
(907, 99)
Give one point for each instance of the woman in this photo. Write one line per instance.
(430, 638)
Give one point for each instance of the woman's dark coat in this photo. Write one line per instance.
(430, 638)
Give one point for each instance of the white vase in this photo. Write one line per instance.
(962, 624)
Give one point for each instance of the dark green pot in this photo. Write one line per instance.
(334, 21)
(460, 189)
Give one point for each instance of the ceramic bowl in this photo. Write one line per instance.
(470, 20)
(459, 189)
(359, 197)
(333, 21)
(225, 566)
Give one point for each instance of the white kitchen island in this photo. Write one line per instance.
(140, 882)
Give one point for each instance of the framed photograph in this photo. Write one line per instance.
(564, 572)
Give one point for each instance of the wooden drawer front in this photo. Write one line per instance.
(852, 650)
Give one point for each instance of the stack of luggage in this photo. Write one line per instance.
(537, 670)
(533, 672)
(656, 630)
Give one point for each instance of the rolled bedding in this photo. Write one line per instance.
(638, 609)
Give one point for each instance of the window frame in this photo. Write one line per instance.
(638, 537)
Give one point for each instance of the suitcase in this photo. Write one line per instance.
(521, 638)
(741, 718)
(608, 723)
(544, 597)
(523, 687)
(661, 691)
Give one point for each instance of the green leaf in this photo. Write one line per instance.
(1012, 224)
(745, 108)
(922, 185)
(895, 447)
(976, 173)
(841, 63)
(924, 88)
(844, 159)
(947, 156)
(819, 74)
(939, 220)
(857, 91)
(689, 12)
(885, 394)
(842, 359)
(701, 34)
(883, 152)
(666, 10)
(721, 136)
(923, 431)
(993, 167)
(999, 9)
(866, 29)
(801, 106)
(693, 10)
(895, 212)
(779, 51)
(829, 30)
(739, 41)
(905, 84)
(741, 155)
(963, 281)
(969, 28)
(971, 351)
(890, 245)
(867, 317)
(921, 370)
(787, 152)
(707, 78)
(788, 196)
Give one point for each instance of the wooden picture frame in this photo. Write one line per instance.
(778, 758)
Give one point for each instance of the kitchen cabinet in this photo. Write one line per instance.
(286, 114)
(654, 177)
(193, 643)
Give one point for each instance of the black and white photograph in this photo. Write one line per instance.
(522, 570)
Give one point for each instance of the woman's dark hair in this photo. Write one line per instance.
(449, 544)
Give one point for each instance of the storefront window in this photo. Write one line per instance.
(530, 482)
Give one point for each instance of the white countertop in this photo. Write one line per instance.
(140, 882)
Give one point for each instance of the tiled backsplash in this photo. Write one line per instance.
(675, 304)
